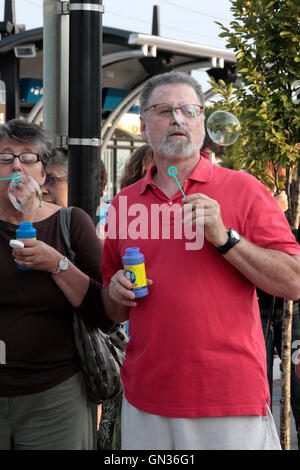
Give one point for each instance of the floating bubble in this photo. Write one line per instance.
(223, 128)
(25, 193)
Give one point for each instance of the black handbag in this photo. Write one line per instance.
(101, 354)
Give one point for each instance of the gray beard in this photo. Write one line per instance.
(169, 147)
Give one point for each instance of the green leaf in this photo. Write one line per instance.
(263, 32)
(270, 4)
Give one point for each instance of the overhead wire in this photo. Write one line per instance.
(194, 11)
(165, 27)
(33, 3)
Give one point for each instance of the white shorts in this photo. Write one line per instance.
(144, 431)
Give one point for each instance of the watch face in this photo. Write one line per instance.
(234, 234)
(64, 264)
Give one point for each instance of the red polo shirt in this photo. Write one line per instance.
(196, 344)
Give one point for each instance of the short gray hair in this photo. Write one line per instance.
(169, 78)
(22, 131)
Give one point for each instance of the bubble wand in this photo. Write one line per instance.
(16, 177)
(172, 171)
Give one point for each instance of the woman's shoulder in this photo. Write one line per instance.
(80, 215)
(83, 231)
(82, 223)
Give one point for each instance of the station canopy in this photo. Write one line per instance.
(129, 59)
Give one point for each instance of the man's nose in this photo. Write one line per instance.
(177, 118)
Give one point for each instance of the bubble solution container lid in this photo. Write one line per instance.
(26, 230)
(133, 256)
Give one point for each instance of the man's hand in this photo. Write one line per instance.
(206, 213)
(37, 255)
(120, 289)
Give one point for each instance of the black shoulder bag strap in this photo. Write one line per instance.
(65, 227)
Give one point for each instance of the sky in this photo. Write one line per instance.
(186, 20)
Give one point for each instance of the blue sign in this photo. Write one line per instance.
(111, 97)
(31, 90)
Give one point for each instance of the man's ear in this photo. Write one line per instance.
(143, 129)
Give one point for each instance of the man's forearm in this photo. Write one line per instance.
(113, 309)
(272, 271)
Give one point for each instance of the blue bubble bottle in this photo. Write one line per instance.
(25, 230)
(134, 267)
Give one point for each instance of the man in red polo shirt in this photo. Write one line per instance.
(195, 371)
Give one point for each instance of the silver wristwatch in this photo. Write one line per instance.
(62, 266)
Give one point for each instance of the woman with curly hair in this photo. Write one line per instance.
(137, 165)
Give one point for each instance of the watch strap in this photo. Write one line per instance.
(59, 268)
(231, 242)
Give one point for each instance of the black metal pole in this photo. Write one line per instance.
(85, 104)
(10, 74)
(10, 11)
(9, 64)
(156, 21)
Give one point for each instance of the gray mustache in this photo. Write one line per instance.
(173, 129)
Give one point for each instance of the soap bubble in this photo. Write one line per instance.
(25, 194)
(223, 128)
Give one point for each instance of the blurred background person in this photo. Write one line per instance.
(103, 205)
(137, 165)
(55, 188)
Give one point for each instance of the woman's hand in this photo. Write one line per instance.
(37, 255)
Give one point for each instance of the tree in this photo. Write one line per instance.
(265, 36)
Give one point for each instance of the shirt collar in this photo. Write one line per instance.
(202, 172)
